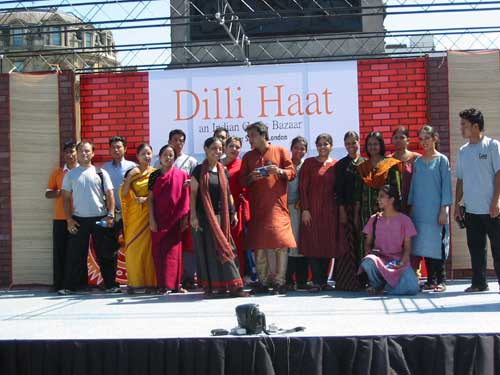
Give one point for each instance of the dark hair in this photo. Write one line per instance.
(326, 136)
(351, 134)
(85, 141)
(142, 146)
(165, 147)
(430, 130)
(380, 140)
(401, 129)
(474, 116)
(393, 192)
(68, 144)
(210, 141)
(260, 127)
(220, 129)
(233, 139)
(176, 132)
(118, 138)
(297, 140)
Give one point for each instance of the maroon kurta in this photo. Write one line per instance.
(269, 226)
(324, 237)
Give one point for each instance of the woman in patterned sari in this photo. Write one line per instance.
(134, 198)
(375, 172)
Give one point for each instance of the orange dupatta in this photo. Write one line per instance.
(376, 178)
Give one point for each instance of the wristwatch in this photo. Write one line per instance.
(111, 215)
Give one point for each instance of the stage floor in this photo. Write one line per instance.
(37, 315)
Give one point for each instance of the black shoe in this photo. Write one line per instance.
(259, 289)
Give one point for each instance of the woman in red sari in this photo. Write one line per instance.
(168, 210)
(233, 165)
(321, 235)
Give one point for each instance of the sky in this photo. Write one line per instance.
(161, 8)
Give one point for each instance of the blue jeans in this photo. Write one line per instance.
(408, 283)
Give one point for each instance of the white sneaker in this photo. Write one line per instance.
(64, 292)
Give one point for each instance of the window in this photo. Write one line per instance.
(88, 39)
(19, 65)
(55, 35)
(18, 37)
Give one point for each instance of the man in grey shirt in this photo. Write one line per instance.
(88, 200)
(478, 183)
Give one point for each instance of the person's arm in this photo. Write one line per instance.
(339, 190)
(195, 224)
(53, 191)
(305, 190)
(494, 206)
(285, 170)
(127, 181)
(459, 192)
(153, 226)
(248, 177)
(406, 253)
(110, 205)
(72, 224)
(446, 194)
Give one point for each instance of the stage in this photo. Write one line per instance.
(454, 332)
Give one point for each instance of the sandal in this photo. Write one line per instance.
(439, 288)
(428, 286)
(374, 291)
(314, 288)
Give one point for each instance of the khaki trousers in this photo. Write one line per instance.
(271, 266)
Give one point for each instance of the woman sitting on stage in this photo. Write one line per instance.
(388, 245)
(168, 217)
(212, 213)
(135, 213)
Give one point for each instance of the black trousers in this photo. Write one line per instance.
(478, 228)
(106, 248)
(319, 270)
(435, 271)
(59, 250)
(299, 267)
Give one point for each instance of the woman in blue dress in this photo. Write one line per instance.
(430, 198)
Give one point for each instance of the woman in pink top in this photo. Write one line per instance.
(388, 245)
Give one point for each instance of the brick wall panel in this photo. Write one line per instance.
(119, 106)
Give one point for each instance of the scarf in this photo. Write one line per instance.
(377, 178)
(222, 232)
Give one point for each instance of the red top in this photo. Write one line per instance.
(324, 237)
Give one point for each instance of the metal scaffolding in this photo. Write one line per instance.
(153, 35)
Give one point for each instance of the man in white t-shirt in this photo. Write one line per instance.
(478, 183)
(88, 200)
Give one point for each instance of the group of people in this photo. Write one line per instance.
(375, 218)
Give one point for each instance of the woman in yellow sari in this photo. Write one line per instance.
(134, 197)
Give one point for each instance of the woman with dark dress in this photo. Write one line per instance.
(345, 271)
(212, 214)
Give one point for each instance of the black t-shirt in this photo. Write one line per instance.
(213, 189)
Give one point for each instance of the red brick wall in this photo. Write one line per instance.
(67, 123)
(114, 104)
(392, 92)
(5, 192)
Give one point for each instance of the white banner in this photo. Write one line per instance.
(292, 99)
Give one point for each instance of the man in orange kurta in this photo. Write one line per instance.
(266, 171)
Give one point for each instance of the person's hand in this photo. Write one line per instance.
(403, 262)
(234, 220)
(443, 216)
(195, 224)
(494, 210)
(141, 200)
(254, 176)
(342, 215)
(72, 225)
(187, 182)
(306, 218)
(458, 213)
(273, 169)
(184, 223)
(110, 221)
(153, 226)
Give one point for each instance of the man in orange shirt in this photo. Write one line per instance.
(59, 229)
(265, 171)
